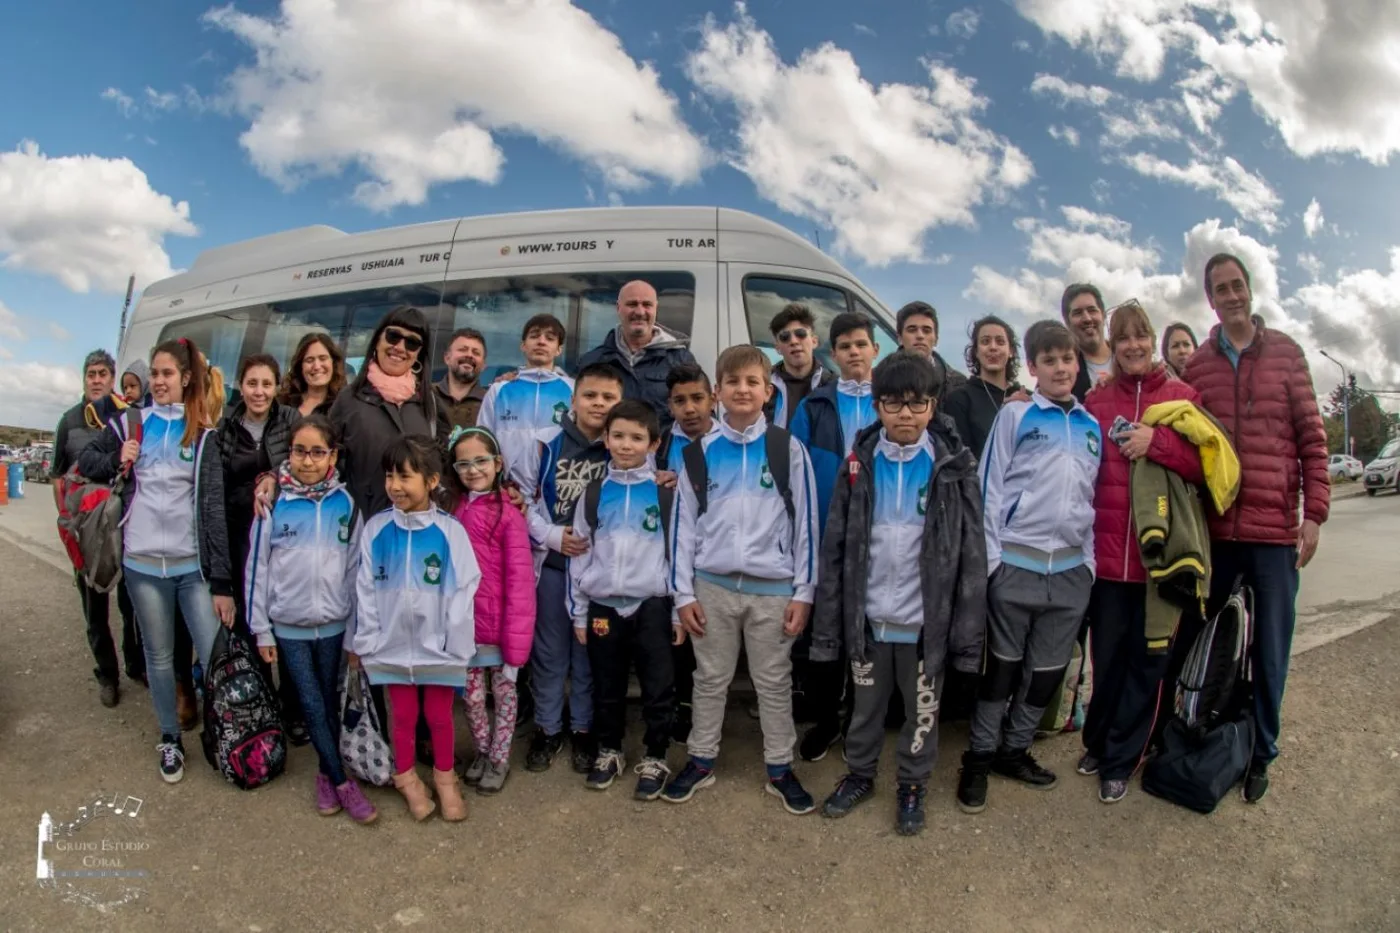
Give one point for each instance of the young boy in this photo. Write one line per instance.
(619, 600)
(536, 399)
(567, 458)
(794, 331)
(903, 583)
(1038, 475)
(744, 571)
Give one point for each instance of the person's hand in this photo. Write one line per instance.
(795, 618)
(1020, 395)
(262, 495)
(1136, 442)
(513, 493)
(269, 653)
(223, 608)
(666, 479)
(573, 545)
(581, 635)
(352, 659)
(693, 619)
(131, 450)
(507, 376)
(1308, 537)
(678, 635)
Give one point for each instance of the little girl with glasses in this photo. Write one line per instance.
(505, 600)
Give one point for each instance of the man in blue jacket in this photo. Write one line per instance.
(642, 350)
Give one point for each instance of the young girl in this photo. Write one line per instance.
(299, 583)
(505, 602)
(415, 629)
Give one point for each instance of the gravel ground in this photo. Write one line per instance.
(1318, 854)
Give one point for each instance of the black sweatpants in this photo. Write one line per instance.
(617, 645)
(1127, 680)
(889, 667)
(97, 608)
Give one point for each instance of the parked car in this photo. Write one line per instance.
(1384, 471)
(1341, 465)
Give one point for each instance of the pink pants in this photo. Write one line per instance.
(437, 710)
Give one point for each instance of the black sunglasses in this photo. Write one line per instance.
(801, 333)
(411, 342)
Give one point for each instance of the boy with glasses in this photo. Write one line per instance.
(795, 338)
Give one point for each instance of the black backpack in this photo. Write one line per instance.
(243, 738)
(665, 500)
(776, 448)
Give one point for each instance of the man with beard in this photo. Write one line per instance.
(1081, 306)
(642, 350)
(460, 392)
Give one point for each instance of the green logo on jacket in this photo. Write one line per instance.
(1093, 442)
(651, 520)
(432, 570)
(187, 454)
(923, 499)
(765, 477)
(559, 410)
(343, 535)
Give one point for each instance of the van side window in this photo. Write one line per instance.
(220, 336)
(765, 296)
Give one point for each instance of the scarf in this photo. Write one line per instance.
(285, 480)
(393, 389)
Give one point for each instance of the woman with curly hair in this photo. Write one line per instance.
(993, 359)
(315, 375)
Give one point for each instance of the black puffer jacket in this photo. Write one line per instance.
(277, 435)
(367, 426)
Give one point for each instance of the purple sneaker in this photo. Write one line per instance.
(355, 802)
(327, 802)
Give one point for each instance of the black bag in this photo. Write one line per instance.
(1197, 769)
(243, 738)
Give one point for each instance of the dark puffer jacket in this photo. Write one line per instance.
(1116, 553)
(368, 425)
(644, 380)
(277, 435)
(1269, 410)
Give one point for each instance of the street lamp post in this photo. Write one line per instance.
(1346, 404)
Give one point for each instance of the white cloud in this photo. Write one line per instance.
(410, 94)
(942, 259)
(1066, 134)
(34, 395)
(881, 165)
(1248, 193)
(162, 100)
(865, 30)
(123, 101)
(9, 324)
(1070, 91)
(59, 332)
(963, 23)
(1356, 318)
(1310, 264)
(87, 221)
(1021, 45)
(1313, 221)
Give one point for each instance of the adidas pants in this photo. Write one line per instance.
(886, 667)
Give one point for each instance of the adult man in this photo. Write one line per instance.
(1255, 381)
(460, 391)
(1081, 307)
(795, 337)
(78, 426)
(641, 349)
(917, 327)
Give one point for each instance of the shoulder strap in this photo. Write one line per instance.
(592, 495)
(666, 500)
(663, 451)
(779, 452)
(133, 423)
(697, 472)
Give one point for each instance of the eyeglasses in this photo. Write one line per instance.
(1130, 303)
(476, 464)
(411, 342)
(801, 333)
(917, 406)
(310, 453)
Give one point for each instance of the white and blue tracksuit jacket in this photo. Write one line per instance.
(671, 454)
(894, 601)
(516, 411)
(744, 541)
(782, 412)
(160, 533)
(625, 563)
(302, 561)
(1038, 474)
(414, 596)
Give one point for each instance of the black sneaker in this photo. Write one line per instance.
(684, 785)
(789, 790)
(972, 781)
(298, 734)
(1022, 766)
(582, 752)
(172, 758)
(1256, 781)
(653, 773)
(848, 794)
(819, 739)
(543, 750)
(1088, 765)
(909, 809)
(108, 693)
(606, 767)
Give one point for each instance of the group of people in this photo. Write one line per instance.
(879, 530)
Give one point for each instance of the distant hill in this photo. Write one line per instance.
(23, 437)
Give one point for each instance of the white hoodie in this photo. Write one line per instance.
(625, 563)
(517, 410)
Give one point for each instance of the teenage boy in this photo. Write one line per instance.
(917, 326)
(794, 331)
(744, 572)
(567, 458)
(903, 583)
(1038, 476)
(535, 400)
(619, 600)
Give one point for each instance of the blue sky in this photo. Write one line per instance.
(976, 156)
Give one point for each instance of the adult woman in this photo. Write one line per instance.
(1178, 343)
(254, 440)
(1127, 678)
(174, 536)
(315, 375)
(993, 360)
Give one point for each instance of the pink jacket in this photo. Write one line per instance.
(505, 600)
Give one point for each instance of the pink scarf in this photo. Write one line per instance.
(393, 389)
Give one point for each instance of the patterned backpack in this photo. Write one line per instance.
(243, 738)
(363, 750)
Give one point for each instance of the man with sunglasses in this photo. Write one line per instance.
(795, 338)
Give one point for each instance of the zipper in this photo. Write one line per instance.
(619, 553)
(1235, 432)
(1128, 530)
(743, 484)
(316, 590)
(1064, 486)
(408, 574)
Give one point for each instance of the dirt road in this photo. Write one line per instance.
(1320, 853)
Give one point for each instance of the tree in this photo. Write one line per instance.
(1370, 424)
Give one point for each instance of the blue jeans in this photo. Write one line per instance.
(558, 663)
(155, 600)
(315, 666)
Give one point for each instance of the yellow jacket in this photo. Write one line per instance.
(1219, 462)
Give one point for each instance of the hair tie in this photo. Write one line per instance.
(461, 432)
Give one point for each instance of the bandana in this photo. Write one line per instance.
(288, 482)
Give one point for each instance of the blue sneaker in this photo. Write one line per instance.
(684, 785)
(789, 790)
(653, 773)
(852, 791)
(606, 767)
(909, 809)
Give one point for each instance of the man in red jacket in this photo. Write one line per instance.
(1256, 382)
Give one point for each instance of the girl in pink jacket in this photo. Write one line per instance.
(505, 599)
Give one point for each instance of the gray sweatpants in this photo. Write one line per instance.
(1032, 622)
(888, 666)
(756, 623)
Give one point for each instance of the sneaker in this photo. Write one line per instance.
(909, 809)
(543, 750)
(355, 803)
(684, 785)
(606, 767)
(172, 758)
(475, 770)
(787, 788)
(582, 752)
(493, 779)
(327, 800)
(1112, 790)
(972, 781)
(851, 791)
(108, 693)
(1022, 766)
(1256, 781)
(297, 734)
(653, 777)
(1088, 765)
(818, 740)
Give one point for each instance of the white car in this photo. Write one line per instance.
(1384, 471)
(1340, 465)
